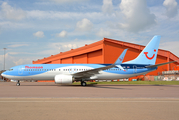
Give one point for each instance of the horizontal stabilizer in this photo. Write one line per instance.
(152, 66)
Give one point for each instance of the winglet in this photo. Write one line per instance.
(121, 57)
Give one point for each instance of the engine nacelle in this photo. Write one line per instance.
(63, 79)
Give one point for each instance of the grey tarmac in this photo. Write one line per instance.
(48, 101)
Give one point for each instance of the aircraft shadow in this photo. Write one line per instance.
(95, 86)
(91, 85)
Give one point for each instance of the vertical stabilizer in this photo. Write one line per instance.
(149, 53)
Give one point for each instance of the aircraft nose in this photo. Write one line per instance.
(3, 74)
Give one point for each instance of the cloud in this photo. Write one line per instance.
(57, 47)
(171, 46)
(171, 8)
(11, 13)
(62, 34)
(13, 53)
(137, 16)
(103, 33)
(107, 7)
(11, 61)
(70, 46)
(8, 60)
(18, 45)
(84, 25)
(67, 1)
(22, 61)
(38, 14)
(39, 34)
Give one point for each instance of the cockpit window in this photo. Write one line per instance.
(10, 70)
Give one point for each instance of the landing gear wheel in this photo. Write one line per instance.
(18, 83)
(83, 83)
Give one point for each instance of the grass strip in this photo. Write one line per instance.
(134, 83)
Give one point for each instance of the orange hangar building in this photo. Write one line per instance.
(107, 51)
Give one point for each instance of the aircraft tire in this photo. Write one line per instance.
(83, 83)
(18, 84)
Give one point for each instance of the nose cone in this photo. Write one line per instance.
(7, 75)
(2, 74)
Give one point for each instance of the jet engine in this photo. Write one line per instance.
(63, 79)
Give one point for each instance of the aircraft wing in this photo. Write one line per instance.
(152, 66)
(89, 73)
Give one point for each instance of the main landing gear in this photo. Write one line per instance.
(83, 83)
(18, 83)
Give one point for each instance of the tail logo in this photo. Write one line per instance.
(150, 58)
(120, 59)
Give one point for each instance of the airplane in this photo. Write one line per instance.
(68, 73)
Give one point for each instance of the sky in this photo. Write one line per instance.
(34, 29)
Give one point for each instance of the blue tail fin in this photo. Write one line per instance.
(121, 57)
(149, 53)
